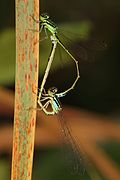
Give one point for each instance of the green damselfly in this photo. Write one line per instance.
(49, 26)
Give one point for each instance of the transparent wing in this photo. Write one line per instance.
(88, 50)
(83, 48)
(75, 161)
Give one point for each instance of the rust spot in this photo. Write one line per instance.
(36, 41)
(31, 147)
(18, 106)
(29, 174)
(23, 56)
(30, 67)
(26, 87)
(29, 77)
(26, 77)
(28, 131)
(26, 80)
(29, 128)
(17, 122)
(23, 173)
(29, 52)
(26, 35)
(15, 148)
(19, 157)
(18, 90)
(26, 1)
(34, 89)
(36, 65)
(33, 122)
(19, 57)
(28, 155)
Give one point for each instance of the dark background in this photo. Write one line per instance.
(99, 84)
(98, 89)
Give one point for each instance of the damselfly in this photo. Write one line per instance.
(52, 31)
(49, 26)
(51, 104)
(49, 101)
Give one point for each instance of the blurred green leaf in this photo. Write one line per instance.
(4, 169)
(7, 56)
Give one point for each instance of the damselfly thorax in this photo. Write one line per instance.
(50, 100)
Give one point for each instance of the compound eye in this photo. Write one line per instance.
(53, 90)
(45, 15)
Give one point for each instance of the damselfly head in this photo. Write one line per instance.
(52, 91)
(44, 16)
